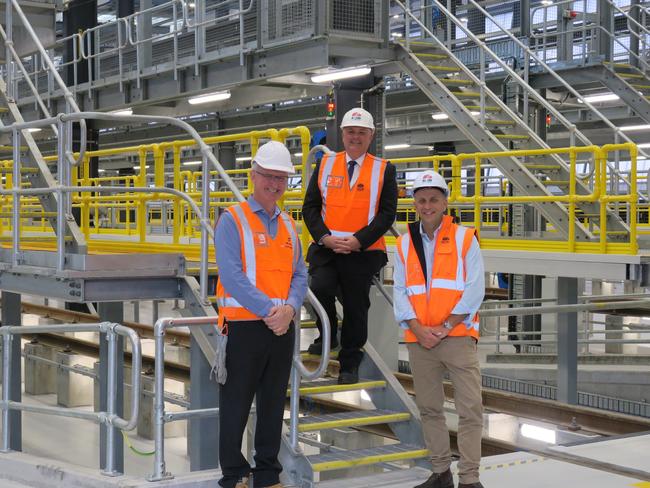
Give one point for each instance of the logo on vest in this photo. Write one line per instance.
(261, 239)
(334, 181)
(360, 187)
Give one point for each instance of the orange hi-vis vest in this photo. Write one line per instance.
(447, 278)
(268, 262)
(346, 210)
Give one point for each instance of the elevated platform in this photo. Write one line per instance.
(570, 265)
(93, 277)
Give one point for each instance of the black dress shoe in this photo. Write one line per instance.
(470, 485)
(349, 376)
(317, 347)
(438, 480)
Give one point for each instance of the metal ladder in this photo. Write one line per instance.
(491, 125)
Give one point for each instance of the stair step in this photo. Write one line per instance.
(456, 81)
(330, 385)
(466, 94)
(488, 108)
(447, 69)
(351, 419)
(432, 56)
(641, 87)
(556, 182)
(364, 457)
(513, 137)
(631, 75)
(304, 355)
(542, 166)
(499, 122)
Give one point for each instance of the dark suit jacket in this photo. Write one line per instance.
(311, 213)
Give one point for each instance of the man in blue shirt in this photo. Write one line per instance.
(262, 284)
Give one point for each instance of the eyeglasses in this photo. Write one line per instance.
(274, 178)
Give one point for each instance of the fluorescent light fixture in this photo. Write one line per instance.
(645, 145)
(396, 146)
(440, 116)
(630, 128)
(210, 97)
(538, 433)
(298, 155)
(34, 129)
(341, 74)
(138, 167)
(122, 111)
(191, 5)
(364, 395)
(192, 163)
(473, 112)
(243, 158)
(464, 20)
(603, 97)
(397, 34)
(547, 2)
(396, 16)
(101, 170)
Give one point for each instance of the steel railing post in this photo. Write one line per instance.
(159, 472)
(111, 387)
(16, 199)
(6, 388)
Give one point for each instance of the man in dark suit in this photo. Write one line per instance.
(350, 204)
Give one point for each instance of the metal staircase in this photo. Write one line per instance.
(460, 94)
(392, 406)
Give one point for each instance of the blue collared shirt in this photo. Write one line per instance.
(227, 244)
(472, 296)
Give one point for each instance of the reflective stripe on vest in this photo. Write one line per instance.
(433, 306)
(340, 217)
(274, 286)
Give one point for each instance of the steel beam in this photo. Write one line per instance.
(11, 315)
(111, 312)
(567, 342)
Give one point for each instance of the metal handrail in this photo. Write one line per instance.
(109, 417)
(530, 53)
(69, 97)
(86, 39)
(133, 19)
(573, 130)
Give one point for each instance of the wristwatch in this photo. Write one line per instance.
(447, 325)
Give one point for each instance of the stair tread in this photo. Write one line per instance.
(369, 455)
(350, 419)
(330, 385)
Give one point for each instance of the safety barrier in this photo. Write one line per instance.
(109, 417)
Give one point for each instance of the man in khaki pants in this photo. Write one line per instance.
(438, 288)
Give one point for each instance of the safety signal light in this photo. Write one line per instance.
(331, 106)
(548, 121)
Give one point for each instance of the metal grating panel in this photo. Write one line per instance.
(356, 18)
(288, 20)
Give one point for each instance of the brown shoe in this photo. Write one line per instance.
(470, 485)
(242, 483)
(438, 480)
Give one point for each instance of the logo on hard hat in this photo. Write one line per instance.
(427, 178)
(356, 115)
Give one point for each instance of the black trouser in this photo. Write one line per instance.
(258, 364)
(353, 274)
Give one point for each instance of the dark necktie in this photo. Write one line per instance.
(351, 170)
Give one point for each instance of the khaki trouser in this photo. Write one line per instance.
(458, 356)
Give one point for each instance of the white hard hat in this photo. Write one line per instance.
(430, 179)
(274, 156)
(358, 117)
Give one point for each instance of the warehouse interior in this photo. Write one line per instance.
(127, 127)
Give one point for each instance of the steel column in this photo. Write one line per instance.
(567, 342)
(11, 315)
(111, 312)
(203, 433)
